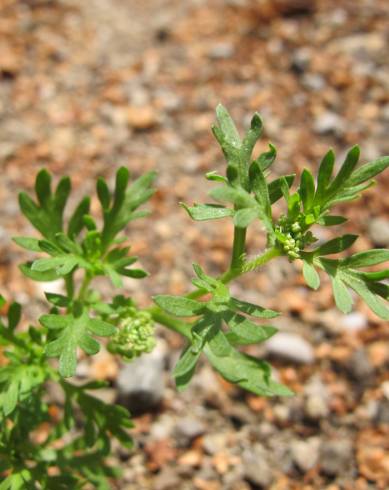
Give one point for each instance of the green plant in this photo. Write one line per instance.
(217, 324)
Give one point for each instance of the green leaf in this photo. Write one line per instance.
(375, 276)
(275, 187)
(122, 177)
(14, 315)
(28, 243)
(62, 265)
(307, 190)
(89, 345)
(32, 212)
(345, 171)
(74, 332)
(260, 189)
(58, 299)
(43, 187)
(342, 295)
(251, 309)
(266, 159)
(103, 193)
(239, 197)
(125, 202)
(243, 217)
(61, 195)
(310, 275)
(249, 373)
(56, 321)
(368, 171)
(134, 273)
(101, 328)
(18, 381)
(366, 259)
(46, 276)
(374, 302)
(324, 176)
(67, 244)
(252, 136)
(227, 126)
(47, 215)
(245, 332)
(215, 177)
(185, 367)
(331, 220)
(76, 222)
(201, 212)
(178, 306)
(336, 245)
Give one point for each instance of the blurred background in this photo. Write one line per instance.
(88, 86)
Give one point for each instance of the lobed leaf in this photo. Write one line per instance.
(202, 212)
(178, 306)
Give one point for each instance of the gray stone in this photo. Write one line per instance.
(187, 429)
(379, 231)
(360, 367)
(316, 399)
(336, 457)
(214, 443)
(382, 416)
(166, 480)
(354, 322)
(313, 81)
(329, 123)
(141, 384)
(305, 454)
(163, 427)
(292, 347)
(256, 467)
(221, 51)
(301, 59)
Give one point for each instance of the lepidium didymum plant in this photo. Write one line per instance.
(74, 450)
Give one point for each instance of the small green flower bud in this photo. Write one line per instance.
(135, 335)
(296, 227)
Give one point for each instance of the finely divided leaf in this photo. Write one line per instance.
(366, 259)
(310, 275)
(336, 245)
(368, 171)
(178, 306)
(307, 189)
(251, 309)
(202, 212)
(244, 332)
(74, 332)
(342, 295)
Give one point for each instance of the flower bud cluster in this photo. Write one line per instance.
(135, 335)
(292, 238)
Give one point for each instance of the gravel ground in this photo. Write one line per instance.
(86, 87)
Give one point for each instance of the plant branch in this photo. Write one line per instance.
(84, 287)
(238, 248)
(163, 318)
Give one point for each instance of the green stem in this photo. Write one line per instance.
(261, 260)
(69, 284)
(84, 287)
(163, 318)
(238, 247)
(183, 327)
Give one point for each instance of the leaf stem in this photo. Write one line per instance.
(183, 327)
(238, 247)
(261, 260)
(69, 284)
(163, 318)
(84, 287)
